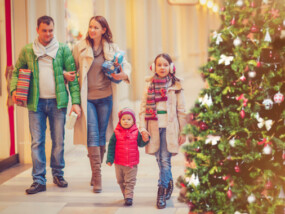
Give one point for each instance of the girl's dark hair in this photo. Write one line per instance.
(169, 60)
(44, 19)
(103, 22)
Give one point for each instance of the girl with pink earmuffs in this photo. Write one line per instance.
(162, 118)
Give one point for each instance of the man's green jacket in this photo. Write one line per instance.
(63, 61)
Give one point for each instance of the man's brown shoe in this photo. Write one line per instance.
(35, 188)
(59, 181)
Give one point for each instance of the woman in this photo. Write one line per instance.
(98, 93)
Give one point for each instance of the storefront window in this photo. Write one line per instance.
(77, 15)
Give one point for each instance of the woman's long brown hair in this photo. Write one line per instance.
(103, 22)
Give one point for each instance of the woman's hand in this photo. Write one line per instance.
(145, 136)
(69, 76)
(109, 164)
(119, 76)
(182, 139)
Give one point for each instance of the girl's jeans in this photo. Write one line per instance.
(163, 158)
(98, 114)
(37, 124)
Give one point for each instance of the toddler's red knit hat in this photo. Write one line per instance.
(127, 111)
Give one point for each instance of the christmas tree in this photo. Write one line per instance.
(235, 162)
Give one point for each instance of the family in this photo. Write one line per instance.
(94, 100)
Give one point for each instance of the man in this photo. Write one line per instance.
(48, 97)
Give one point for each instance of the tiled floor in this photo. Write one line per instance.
(79, 198)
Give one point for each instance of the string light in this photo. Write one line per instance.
(210, 4)
(215, 8)
(203, 2)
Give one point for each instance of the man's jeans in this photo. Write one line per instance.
(98, 114)
(37, 121)
(163, 158)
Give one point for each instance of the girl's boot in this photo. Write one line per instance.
(161, 202)
(169, 190)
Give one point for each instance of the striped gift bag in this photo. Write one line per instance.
(23, 84)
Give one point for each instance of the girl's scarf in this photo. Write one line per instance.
(156, 92)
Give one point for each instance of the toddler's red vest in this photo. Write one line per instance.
(126, 151)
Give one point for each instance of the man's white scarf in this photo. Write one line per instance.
(49, 50)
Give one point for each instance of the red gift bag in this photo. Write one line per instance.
(23, 84)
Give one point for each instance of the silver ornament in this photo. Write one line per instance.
(267, 150)
(251, 198)
(237, 42)
(252, 74)
(232, 142)
(268, 104)
(267, 36)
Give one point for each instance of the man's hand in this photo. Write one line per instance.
(69, 76)
(14, 97)
(145, 136)
(109, 164)
(182, 139)
(76, 108)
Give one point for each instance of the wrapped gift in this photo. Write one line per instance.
(109, 68)
(23, 84)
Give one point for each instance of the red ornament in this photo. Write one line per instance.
(203, 126)
(283, 155)
(278, 98)
(229, 193)
(191, 205)
(226, 177)
(211, 70)
(242, 78)
(268, 185)
(258, 64)
(233, 21)
(197, 149)
(254, 29)
(237, 169)
(242, 114)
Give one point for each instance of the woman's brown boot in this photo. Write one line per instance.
(95, 163)
(102, 152)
